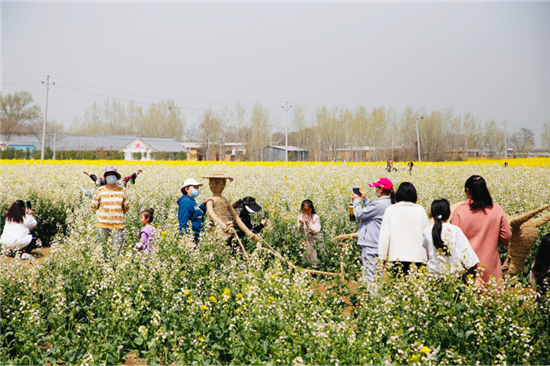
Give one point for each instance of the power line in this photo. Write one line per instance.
(128, 100)
(133, 94)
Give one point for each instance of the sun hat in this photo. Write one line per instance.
(250, 204)
(111, 169)
(218, 174)
(191, 182)
(384, 183)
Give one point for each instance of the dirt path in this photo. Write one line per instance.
(39, 254)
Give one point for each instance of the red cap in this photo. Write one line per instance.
(382, 183)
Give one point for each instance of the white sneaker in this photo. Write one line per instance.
(26, 256)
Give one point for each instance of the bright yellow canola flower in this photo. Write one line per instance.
(512, 162)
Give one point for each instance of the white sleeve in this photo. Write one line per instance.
(467, 255)
(30, 222)
(384, 238)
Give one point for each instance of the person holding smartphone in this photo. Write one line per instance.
(16, 235)
(370, 213)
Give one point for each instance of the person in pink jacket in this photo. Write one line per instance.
(485, 224)
(310, 224)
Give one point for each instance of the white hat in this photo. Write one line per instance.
(191, 182)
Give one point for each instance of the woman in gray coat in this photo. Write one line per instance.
(370, 215)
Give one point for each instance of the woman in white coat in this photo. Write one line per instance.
(16, 234)
(401, 231)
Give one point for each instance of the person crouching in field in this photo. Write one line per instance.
(110, 203)
(147, 234)
(16, 235)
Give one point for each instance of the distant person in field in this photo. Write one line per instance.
(16, 235)
(449, 251)
(370, 213)
(485, 224)
(309, 223)
(401, 231)
(389, 166)
(110, 204)
(411, 165)
(147, 234)
(100, 181)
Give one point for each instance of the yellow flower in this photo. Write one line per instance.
(164, 233)
(239, 310)
(226, 291)
(204, 307)
(272, 277)
(186, 292)
(239, 296)
(201, 339)
(425, 350)
(270, 299)
(213, 299)
(415, 358)
(205, 316)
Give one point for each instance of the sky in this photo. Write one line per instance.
(491, 59)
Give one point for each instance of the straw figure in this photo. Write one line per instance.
(221, 211)
(524, 234)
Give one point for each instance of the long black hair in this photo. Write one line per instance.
(16, 212)
(542, 263)
(310, 204)
(481, 198)
(441, 211)
(406, 192)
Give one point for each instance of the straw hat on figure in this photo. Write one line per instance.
(221, 211)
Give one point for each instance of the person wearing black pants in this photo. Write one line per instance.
(244, 207)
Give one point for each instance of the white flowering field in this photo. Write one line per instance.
(198, 304)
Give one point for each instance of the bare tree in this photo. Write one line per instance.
(210, 129)
(258, 137)
(524, 140)
(493, 137)
(17, 110)
(545, 136)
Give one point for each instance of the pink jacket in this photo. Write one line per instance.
(486, 230)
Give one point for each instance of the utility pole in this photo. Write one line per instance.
(505, 140)
(286, 107)
(418, 138)
(45, 117)
(54, 140)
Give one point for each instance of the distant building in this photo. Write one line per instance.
(229, 151)
(277, 153)
(132, 145)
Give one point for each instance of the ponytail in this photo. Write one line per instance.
(389, 192)
(441, 210)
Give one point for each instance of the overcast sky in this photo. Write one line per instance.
(490, 59)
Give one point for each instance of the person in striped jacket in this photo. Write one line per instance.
(110, 203)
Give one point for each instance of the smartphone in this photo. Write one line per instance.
(356, 191)
(29, 205)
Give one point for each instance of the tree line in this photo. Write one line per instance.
(359, 134)
(328, 133)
